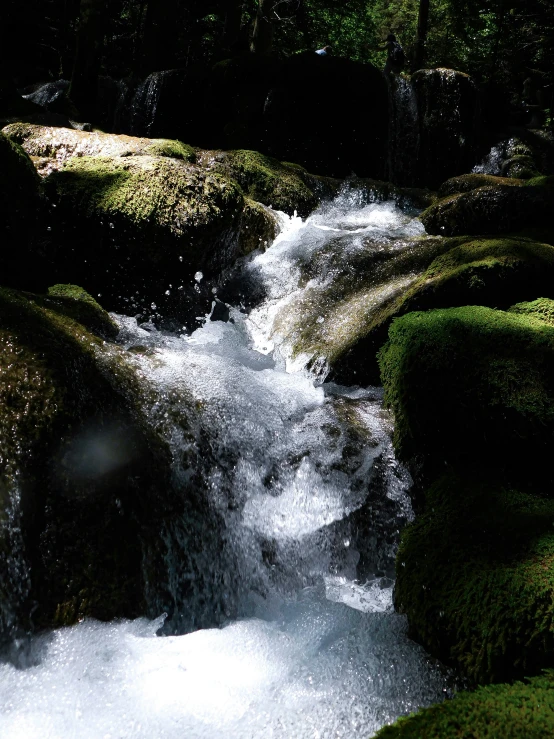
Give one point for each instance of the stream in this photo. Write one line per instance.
(303, 475)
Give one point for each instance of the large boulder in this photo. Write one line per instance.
(97, 510)
(364, 293)
(472, 386)
(475, 578)
(492, 209)
(306, 120)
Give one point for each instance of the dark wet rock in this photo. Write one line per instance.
(492, 209)
(468, 182)
(302, 126)
(101, 513)
(21, 211)
(447, 103)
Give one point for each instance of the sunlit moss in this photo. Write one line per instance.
(519, 711)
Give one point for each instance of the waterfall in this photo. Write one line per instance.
(402, 163)
(309, 500)
(145, 104)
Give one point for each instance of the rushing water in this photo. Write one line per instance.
(303, 475)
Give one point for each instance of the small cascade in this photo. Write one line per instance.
(15, 579)
(145, 104)
(403, 152)
(291, 535)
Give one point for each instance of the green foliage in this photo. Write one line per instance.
(518, 711)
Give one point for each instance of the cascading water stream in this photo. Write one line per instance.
(303, 477)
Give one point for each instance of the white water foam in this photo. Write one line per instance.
(324, 655)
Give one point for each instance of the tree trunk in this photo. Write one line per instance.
(421, 37)
(84, 81)
(262, 35)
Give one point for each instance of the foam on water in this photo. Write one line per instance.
(291, 466)
(318, 669)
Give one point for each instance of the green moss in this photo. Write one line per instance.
(542, 181)
(475, 576)
(282, 186)
(518, 711)
(171, 148)
(471, 378)
(468, 182)
(520, 165)
(542, 308)
(151, 201)
(60, 387)
(490, 210)
(258, 227)
(76, 303)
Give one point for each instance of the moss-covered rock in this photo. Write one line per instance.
(490, 210)
(60, 144)
(472, 386)
(76, 303)
(475, 576)
(101, 511)
(468, 182)
(361, 298)
(75, 463)
(136, 229)
(283, 186)
(524, 710)
(522, 166)
(258, 227)
(542, 308)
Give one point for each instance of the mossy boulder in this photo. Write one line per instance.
(542, 309)
(360, 302)
(469, 182)
(76, 303)
(490, 210)
(472, 386)
(281, 185)
(57, 145)
(101, 511)
(475, 577)
(136, 229)
(524, 710)
(75, 538)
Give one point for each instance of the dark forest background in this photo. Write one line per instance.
(504, 41)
